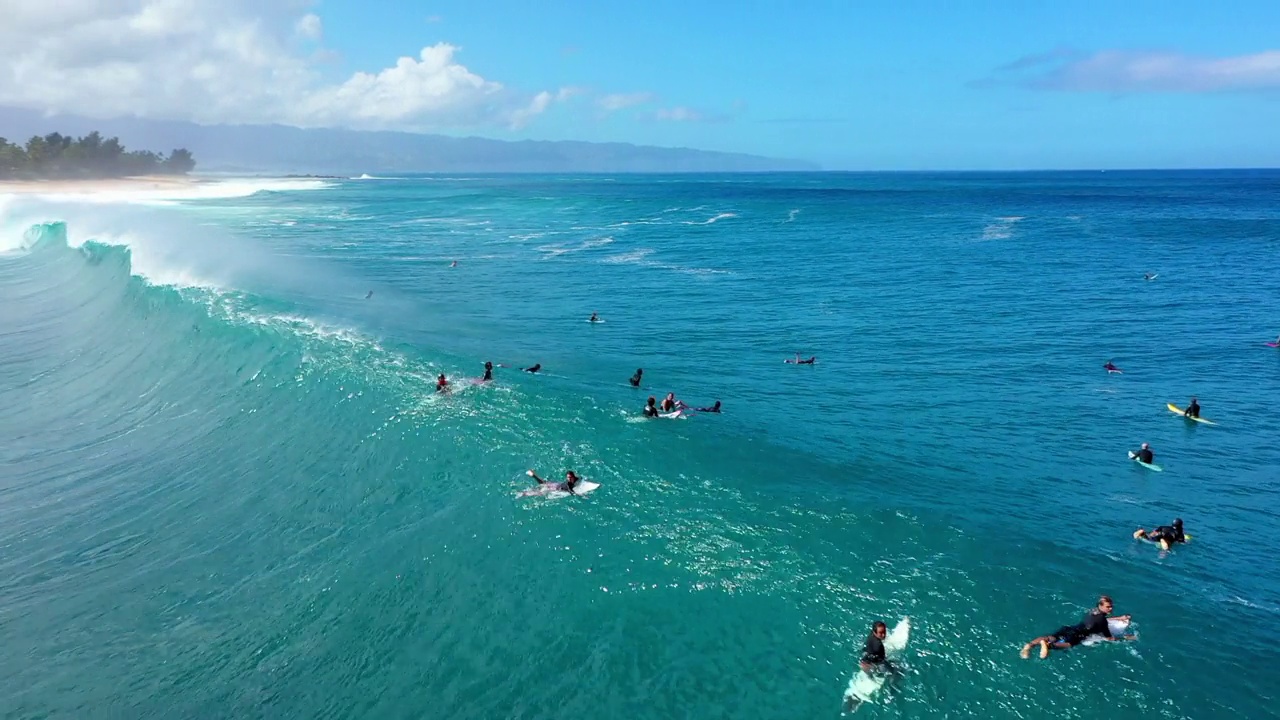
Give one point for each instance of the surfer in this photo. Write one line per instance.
(533, 369)
(1144, 454)
(453, 264)
(594, 318)
(571, 481)
(713, 409)
(1166, 535)
(799, 361)
(669, 403)
(488, 371)
(1193, 410)
(442, 384)
(651, 409)
(1148, 276)
(1068, 636)
(366, 297)
(1111, 367)
(873, 658)
(635, 379)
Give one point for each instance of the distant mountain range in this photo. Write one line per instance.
(282, 149)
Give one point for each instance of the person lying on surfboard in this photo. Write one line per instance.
(1149, 276)
(1144, 454)
(1193, 410)
(1068, 636)
(488, 371)
(713, 409)
(799, 361)
(533, 368)
(571, 481)
(1166, 535)
(1111, 368)
(651, 408)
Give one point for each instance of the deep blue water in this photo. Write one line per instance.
(228, 488)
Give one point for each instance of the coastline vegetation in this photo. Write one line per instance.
(57, 156)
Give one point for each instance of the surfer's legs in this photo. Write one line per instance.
(1139, 534)
(1046, 642)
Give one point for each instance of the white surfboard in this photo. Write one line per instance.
(1118, 627)
(555, 491)
(863, 686)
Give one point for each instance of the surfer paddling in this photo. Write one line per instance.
(533, 368)
(571, 481)
(713, 409)
(1094, 624)
(1111, 368)
(801, 361)
(1166, 535)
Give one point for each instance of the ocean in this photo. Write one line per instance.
(228, 488)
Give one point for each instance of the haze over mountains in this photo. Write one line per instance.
(283, 149)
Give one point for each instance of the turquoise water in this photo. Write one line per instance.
(228, 488)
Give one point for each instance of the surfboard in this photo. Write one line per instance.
(1133, 456)
(1274, 345)
(1118, 627)
(1178, 411)
(1153, 277)
(594, 322)
(862, 687)
(675, 415)
(555, 491)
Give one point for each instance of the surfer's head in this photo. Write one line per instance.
(879, 629)
(1177, 522)
(1146, 446)
(652, 399)
(570, 476)
(1105, 604)
(488, 365)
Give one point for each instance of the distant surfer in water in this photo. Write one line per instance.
(1193, 410)
(454, 264)
(873, 659)
(635, 379)
(1148, 276)
(713, 409)
(442, 384)
(1144, 454)
(488, 372)
(533, 368)
(571, 481)
(594, 318)
(366, 297)
(1166, 535)
(1068, 636)
(651, 408)
(799, 361)
(1111, 368)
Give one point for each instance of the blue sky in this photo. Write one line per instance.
(849, 84)
(857, 84)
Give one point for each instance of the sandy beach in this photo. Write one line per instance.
(146, 183)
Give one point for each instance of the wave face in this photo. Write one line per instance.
(228, 487)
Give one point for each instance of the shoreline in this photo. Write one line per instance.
(98, 185)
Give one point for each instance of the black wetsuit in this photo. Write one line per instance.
(1145, 455)
(488, 374)
(1095, 623)
(533, 369)
(873, 651)
(635, 380)
(712, 409)
(651, 411)
(1193, 410)
(1167, 533)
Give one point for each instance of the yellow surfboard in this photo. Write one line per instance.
(1179, 411)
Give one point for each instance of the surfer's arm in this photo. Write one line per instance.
(534, 475)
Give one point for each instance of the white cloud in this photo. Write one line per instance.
(235, 61)
(620, 101)
(1121, 71)
(679, 114)
(309, 27)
